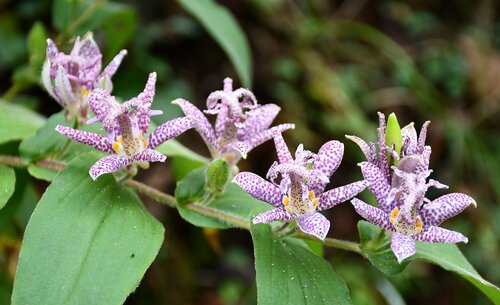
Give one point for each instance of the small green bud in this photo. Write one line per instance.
(393, 135)
(217, 176)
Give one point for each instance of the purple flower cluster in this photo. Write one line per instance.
(400, 192)
(295, 185)
(69, 78)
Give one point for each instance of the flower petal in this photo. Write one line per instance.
(240, 147)
(434, 234)
(327, 161)
(422, 137)
(259, 188)
(403, 246)
(378, 184)
(169, 130)
(410, 139)
(47, 80)
(63, 89)
(89, 51)
(338, 195)
(113, 65)
(314, 224)
(266, 135)
(150, 155)
(101, 103)
(365, 148)
(201, 124)
(273, 215)
(221, 121)
(257, 120)
(372, 214)
(97, 141)
(51, 51)
(145, 99)
(108, 164)
(444, 207)
(284, 155)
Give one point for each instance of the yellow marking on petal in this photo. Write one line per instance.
(288, 209)
(140, 136)
(120, 139)
(311, 195)
(419, 225)
(116, 147)
(315, 202)
(286, 202)
(394, 213)
(146, 143)
(85, 92)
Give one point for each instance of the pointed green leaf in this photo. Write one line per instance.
(17, 123)
(289, 273)
(393, 133)
(449, 257)
(376, 247)
(173, 148)
(87, 242)
(7, 184)
(222, 26)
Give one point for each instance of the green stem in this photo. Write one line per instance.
(12, 91)
(170, 201)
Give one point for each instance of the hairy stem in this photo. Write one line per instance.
(170, 201)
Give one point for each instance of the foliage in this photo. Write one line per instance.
(66, 239)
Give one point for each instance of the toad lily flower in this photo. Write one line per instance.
(126, 124)
(70, 78)
(241, 123)
(402, 206)
(300, 193)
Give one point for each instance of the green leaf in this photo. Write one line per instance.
(42, 173)
(87, 242)
(450, 258)
(393, 133)
(119, 27)
(64, 12)
(7, 184)
(289, 273)
(192, 187)
(173, 148)
(223, 27)
(181, 167)
(376, 247)
(235, 204)
(17, 123)
(217, 176)
(37, 43)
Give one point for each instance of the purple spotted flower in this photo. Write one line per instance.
(300, 192)
(241, 123)
(69, 78)
(126, 125)
(400, 193)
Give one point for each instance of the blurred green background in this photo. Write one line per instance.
(330, 65)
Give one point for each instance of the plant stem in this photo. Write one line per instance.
(170, 201)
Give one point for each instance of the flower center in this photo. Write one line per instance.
(130, 142)
(404, 227)
(295, 204)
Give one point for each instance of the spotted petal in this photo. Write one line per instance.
(314, 224)
(240, 147)
(403, 246)
(108, 164)
(266, 135)
(97, 141)
(341, 194)
(372, 214)
(365, 148)
(257, 120)
(434, 234)
(150, 155)
(445, 207)
(273, 215)
(259, 188)
(201, 124)
(327, 161)
(169, 130)
(113, 65)
(145, 99)
(63, 89)
(377, 184)
(284, 155)
(89, 51)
